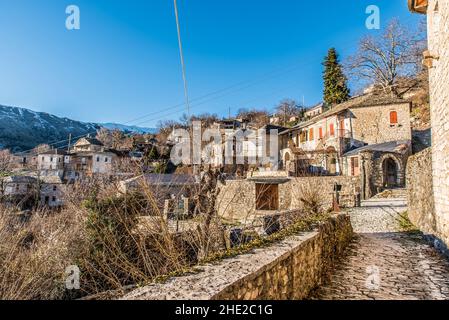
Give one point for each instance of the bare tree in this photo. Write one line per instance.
(288, 108)
(388, 59)
(6, 161)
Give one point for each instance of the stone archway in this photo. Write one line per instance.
(391, 169)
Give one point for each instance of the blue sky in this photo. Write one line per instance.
(124, 62)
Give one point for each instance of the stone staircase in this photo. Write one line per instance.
(396, 193)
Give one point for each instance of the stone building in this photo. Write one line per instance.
(321, 145)
(436, 58)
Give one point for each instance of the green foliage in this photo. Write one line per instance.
(335, 82)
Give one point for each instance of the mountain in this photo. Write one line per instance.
(131, 129)
(22, 129)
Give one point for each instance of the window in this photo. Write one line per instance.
(332, 129)
(106, 159)
(53, 199)
(98, 159)
(311, 138)
(393, 117)
(55, 188)
(321, 133)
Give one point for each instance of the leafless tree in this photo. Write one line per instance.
(288, 108)
(6, 161)
(389, 58)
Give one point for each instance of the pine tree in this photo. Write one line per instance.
(335, 82)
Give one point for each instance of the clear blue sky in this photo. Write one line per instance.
(124, 62)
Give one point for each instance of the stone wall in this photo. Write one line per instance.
(237, 198)
(420, 192)
(438, 34)
(372, 173)
(289, 270)
(372, 124)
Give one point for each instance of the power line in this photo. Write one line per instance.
(181, 53)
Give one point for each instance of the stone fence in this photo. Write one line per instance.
(291, 269)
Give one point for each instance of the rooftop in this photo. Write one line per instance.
(366, 100)
(393, 147)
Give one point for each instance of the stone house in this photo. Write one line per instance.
(318, 146)
(86, 164)
(314, 111)
(52, 190)
(436, 58)
(88, 144)
(247, 144)
(26, 191)
(170, 190)
(263, 194)
(51, 160)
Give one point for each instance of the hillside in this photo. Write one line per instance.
(23, 129)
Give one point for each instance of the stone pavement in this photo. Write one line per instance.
(385, 263)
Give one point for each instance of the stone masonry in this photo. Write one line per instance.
(438, 34)
(290, 269)
(386, 263)
(421, 209)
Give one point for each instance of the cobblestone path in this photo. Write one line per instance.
(384, 263)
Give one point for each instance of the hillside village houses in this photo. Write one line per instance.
(368, 136)
(56, 168)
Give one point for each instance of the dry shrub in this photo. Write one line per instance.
(310, 195)
(34, 254)
(117, 253)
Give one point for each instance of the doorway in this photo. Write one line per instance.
(390, 170)
(267, 197)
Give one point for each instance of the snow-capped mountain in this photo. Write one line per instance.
(131, 129)
(23, 129)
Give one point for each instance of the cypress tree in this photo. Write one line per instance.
(335, 82)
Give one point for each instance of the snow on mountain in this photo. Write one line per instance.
(22, 129)
(125, 128)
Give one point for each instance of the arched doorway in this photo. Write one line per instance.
(390, 171)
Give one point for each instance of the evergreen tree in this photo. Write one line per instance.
(335, 82)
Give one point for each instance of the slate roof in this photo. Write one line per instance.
(366, 100)
(393, 147)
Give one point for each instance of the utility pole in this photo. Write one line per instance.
(70, 142)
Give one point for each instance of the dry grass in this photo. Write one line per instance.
(102, 232)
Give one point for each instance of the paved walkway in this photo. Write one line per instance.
(384, 263)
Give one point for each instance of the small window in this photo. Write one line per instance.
(106, 159)
(55, 188)
(98, 159)
(321, 133)
(53, 199)
(332, 129)
(393, 117)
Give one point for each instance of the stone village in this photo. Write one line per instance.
(360, 155)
